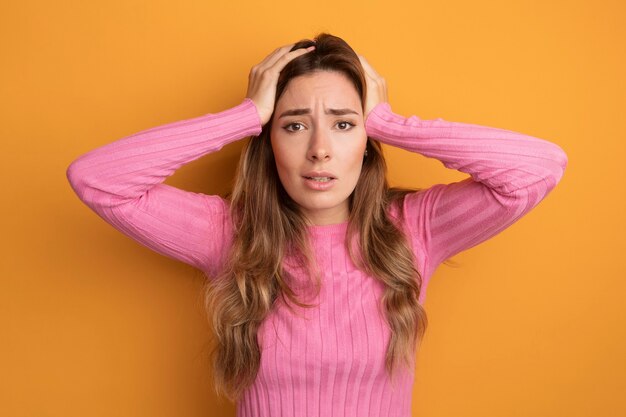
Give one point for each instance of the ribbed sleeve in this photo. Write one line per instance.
(510, 173)
(123, 183)
(329, 359)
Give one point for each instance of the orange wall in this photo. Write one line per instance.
(530, 323)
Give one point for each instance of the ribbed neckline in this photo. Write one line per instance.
(328, 229)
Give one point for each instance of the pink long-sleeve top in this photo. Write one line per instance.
(328, 360)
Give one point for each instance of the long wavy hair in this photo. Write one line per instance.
(269, 227)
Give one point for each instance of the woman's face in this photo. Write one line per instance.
(318, 138)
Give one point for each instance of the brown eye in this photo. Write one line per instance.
(292, 124)
(344, 122)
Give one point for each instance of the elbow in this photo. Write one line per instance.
(76, 177)
(560, 163)
(552, 173)
(72, 173)
(547, 176)
(559, 156)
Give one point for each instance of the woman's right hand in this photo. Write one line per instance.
(263, 79)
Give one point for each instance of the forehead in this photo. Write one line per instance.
(321, 88)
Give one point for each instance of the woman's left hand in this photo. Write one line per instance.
(376, 87)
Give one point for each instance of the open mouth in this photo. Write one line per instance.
(320, 179)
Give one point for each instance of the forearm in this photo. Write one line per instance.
(503, 160)
(125, 169)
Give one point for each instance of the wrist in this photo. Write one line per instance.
(376, 112)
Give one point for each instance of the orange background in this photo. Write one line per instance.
(530, 323)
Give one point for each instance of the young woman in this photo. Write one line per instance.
(316, 269)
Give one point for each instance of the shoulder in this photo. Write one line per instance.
(406, 211)
(403, 203)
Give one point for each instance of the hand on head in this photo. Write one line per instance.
(376, 87)
(263, 79)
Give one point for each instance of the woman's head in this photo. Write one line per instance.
(331, 54)
(318, 130)
(273, 202)
(318, 140)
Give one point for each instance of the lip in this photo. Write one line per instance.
(320, 174)
(317, 185)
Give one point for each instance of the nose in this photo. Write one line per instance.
(319, 150)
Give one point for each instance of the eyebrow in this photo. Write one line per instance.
(298, 112)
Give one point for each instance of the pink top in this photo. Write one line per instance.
(328, 360)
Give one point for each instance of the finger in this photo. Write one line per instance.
(269, 70)
(369, 68)
(284, 54)
(280, 52)
(273, 57)
(369, 71)
(289, 56)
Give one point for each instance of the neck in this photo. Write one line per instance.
(326, 217)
